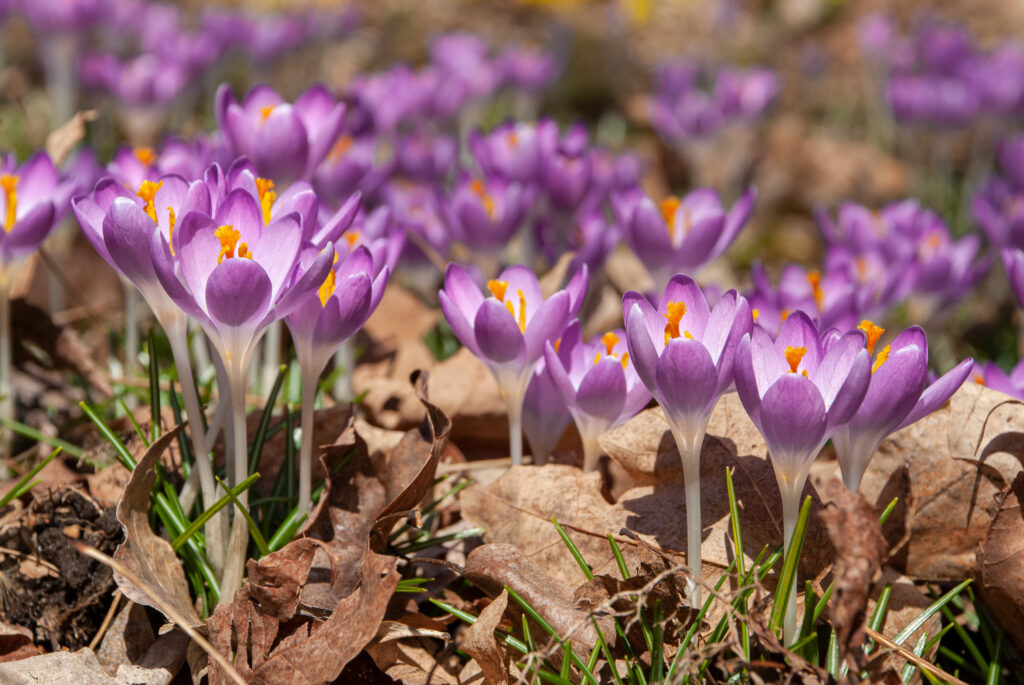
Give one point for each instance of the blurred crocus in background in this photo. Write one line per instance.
(799, 390)
(683, 352)
(596, 382)
(508, 329)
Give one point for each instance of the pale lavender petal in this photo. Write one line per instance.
(642, 353)
(687, 382)
(459, 322)
(345, 311)
(277, 249)
(127, 234)
(497, 333)
(462, 290)
(603, 391)
(545, 324)
(682, 288)
(835, 366)
(799, 331)
(793, 423)
(852, 392)
(238, 293)
(936, 394)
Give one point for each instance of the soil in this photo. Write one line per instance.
(46, 585)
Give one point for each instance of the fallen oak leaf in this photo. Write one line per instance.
(275, 581)
(1000, 559)
(63, 140)
(149, 557)
(16, 643)
(480, 643)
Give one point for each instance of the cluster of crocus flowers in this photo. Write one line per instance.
(507, 328)
(683, 351)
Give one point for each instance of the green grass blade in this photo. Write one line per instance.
(201, 520)
(256, 448)
(509, 640)
(26, 483)
(154, 389)
(123, 454)
(566, 668)
(908, 668)
(573, 550)
(832, 655)
(787, 579)
(254, 530)
(734, 518)
(33, 434)
(891, 507)
(620, 560)
(928, 612)
(135, 424)
(184, 445)
(546, 627)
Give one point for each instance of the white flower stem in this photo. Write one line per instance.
(216, 527)
(689, 451)
(271, 357)
(238, 470)
(591, 453)
(515, 427)
(131, 337)
(6, 384)
(790, 490)
(344, 359)
(309, 387)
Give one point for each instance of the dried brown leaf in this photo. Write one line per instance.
(16, 643)
(853, 526)
(481, 644)
(276, 580)
(63, 140)
(1000, 561)
(148, 556)
(80, 667)
(127, 638)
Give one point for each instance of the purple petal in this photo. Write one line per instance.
(459, 322)
(577, 289)
(852, 392)
(127, 234)
(642, 352)
(497, 333)
(558, 375)
(893, 391)
(281, 145)
(277, 250)
(238, 293)
(462, 290)
(936, 394)
(546, 324)
(835, 366)
(799, 331)
(682, 288)
(793, 423)
(345, 311)
(746, 380)
(29, 232)
(687, 382)
(603, 391)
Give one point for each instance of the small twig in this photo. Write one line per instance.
(168, 610)
(107, 620)
(446, 468)
(911, 657)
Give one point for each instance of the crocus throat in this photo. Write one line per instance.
(873, 332)
(351, 237)
(814, 278)
(668, 212)
(145, 155)
(498, 289)
(9, 185)
(229, 237)
(265, 187)
(265, 113)
(339, 149)
(794, 355)
(610, 340)
(481, 191)
(147, 193)
(513, 140)
(676, 311)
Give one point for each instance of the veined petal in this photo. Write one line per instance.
(642, 351)
(793, 422)
(682, 288)
(687, 382)
(344, 312)
(29, 231)
(851, 394)
(603, 391)
(835, 366)
(238, 293)
(936, 394)
(545, 324)
(277, 250)
(281, 145)
(799, 331)
(462, 290)
(127, 234)
(497, 334)
(459, 322)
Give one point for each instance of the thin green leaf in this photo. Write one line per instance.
(33, 434)
(256, 448)
(254, 530)
(122, 452)
(908, 668)
(201, 520)
(573, 550)
(832, 655)
(26, 483)
(891, 507)
(927, 613)
(135, 424)
(787, 579)
(154, 389)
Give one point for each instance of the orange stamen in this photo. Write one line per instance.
(676, 311)
(794, 355)
(498, 289)
(880, 359)
(979, 379)
(147, 192)
(625, 360)
(352, 237)
(814, 278)
(229, 237)
(668, 212)
(478, 187)
(265, 112)
(610, 340)
(339, 148)
(522, 311)
(755, 313)
(172, 220)
(265, 187)
(145, 155)
(9, 185)
(327, 288)
(873, 332)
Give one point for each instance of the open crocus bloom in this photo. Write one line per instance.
(32, 199)
(682, 234)
(507, 330)
(897, 396)
(799, 392)
(284, 141)
(545, 414)
(1013, 262)
(596, 382)
(683, 352)
(484, 213)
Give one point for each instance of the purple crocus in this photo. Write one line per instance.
(992, 376)
(683, 352)
(898, 395)
(545, 414)
(799, 391)
(1013, 262)
(510, 152)
(32, 198)
(320, 324)
(484, 213)
(508, 329)
(682, 234)
(596, 382)
(284, 141)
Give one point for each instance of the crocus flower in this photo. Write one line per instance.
(898, 395)
(799, 391)
(358, 164)
(484, 213)
(682, 234)
(527, 67)
(683, 352)
(284, 141)
(597, 383)
(1013, 262)
(321, 322)
(507, 330)
(510, 152)
(545, 414)
(32, 199)
(832, 298)
(991, 376)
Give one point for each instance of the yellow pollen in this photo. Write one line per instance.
(229, 237)
(755, 313)
(676, 311)
(784, 314)
(688, 335)
(265, 112)
(625, 360)
(668, 212)
(862, 268)
(9, 185)
(339, 149)
(610, 340)
(873, 332)
(979, 379)
(522, 311)
(794, 355)
(265, 187)
(352, 237)
(145, 155)
(597, 357)
(880, 359)
(512, 139)
(147, 192)
(934, 240)
(498, 289)
(814, 278)
(478, 187)
(327, 288)
(558, 343)
(171, 220)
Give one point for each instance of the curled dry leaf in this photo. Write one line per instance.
(16, 642)
(1000, 560)
(853, 526)
(150, 558)
(276, 580)
(63, 140)
(494, 567)
(948, 470)
(480, 643)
